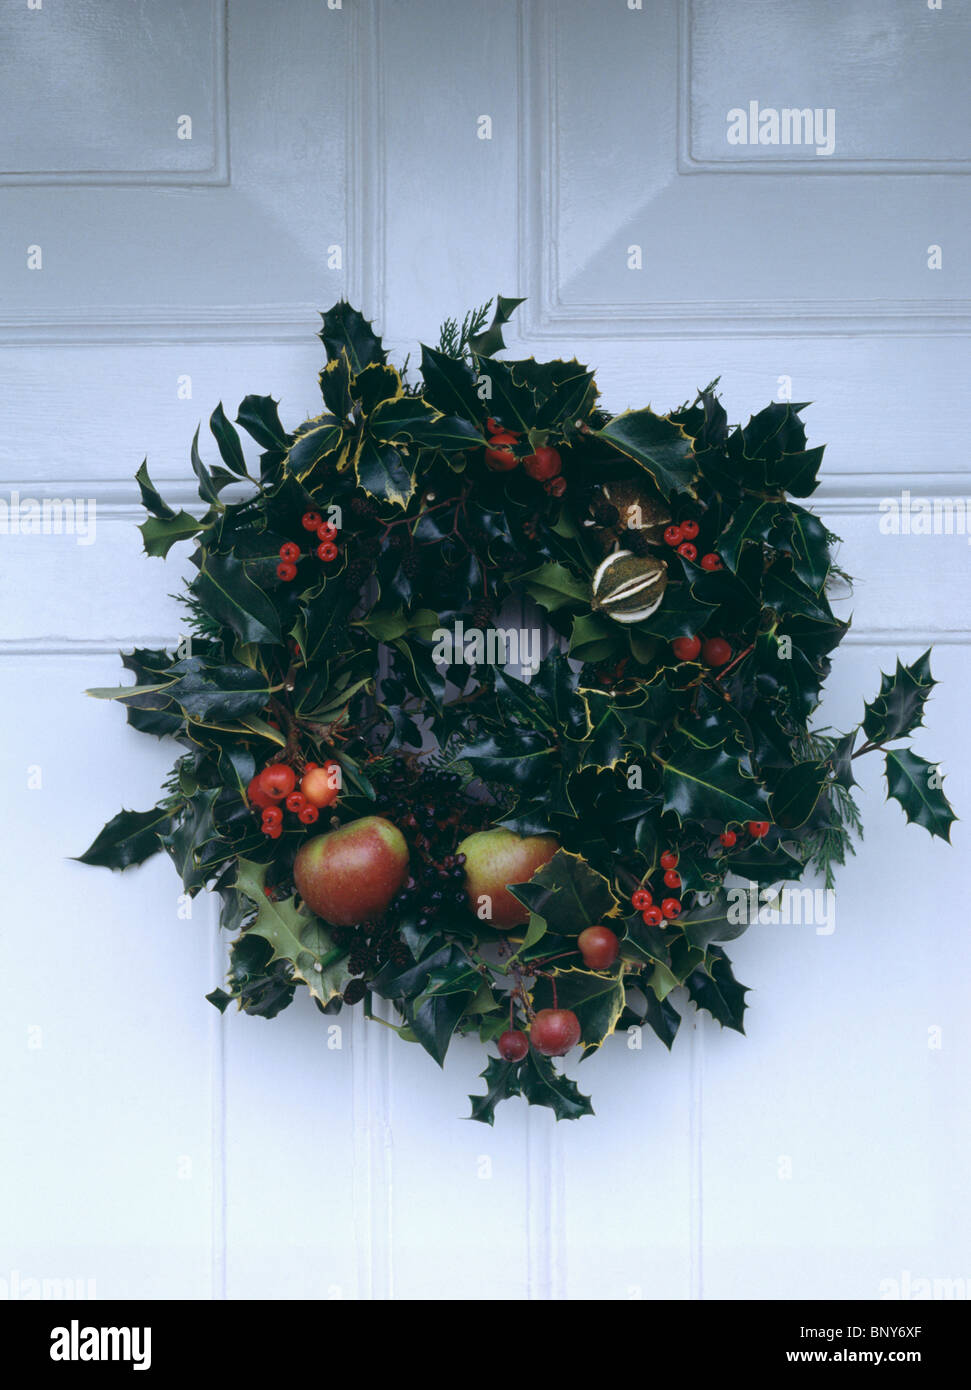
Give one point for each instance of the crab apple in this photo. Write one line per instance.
(716, 652)
(599, 947)
(296, 801)
(513, 1045)
(501, 459)
(554, 1031)
(727, 838)
(307, 814)
(673, 536)
(272, 815)
(686, 648)
(689, 529)
(758, 829)
(640, 899)
(255, 795)
(544, 463)
(669, 859)
(711, 561)
(671, 908)
(496, 858)
(286, 570)
(321, 785)
(277, 781)
(351, 874)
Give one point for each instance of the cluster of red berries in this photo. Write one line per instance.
(642, 899)
(758, 829)
(544, 466)
(714, 651)
(326, 533)
(682, 537)
(275, 788)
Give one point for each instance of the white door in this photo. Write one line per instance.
(184, 184)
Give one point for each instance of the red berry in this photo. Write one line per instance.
(641, 899)
(686, 648)
(327, 531)
(311, 520)
(599, 947)
(758, 829)
(672, 879)
(272, 816)
(728, 838)
(501, 460)
(296, 801)
(277, 781)
(274, 831)
(327, 551)
(308, 814)
(286, 570)
(543, 464)
(289, 550)
(555, 1031)
(255, 795)
(512, 1045)
(688, 551)
(321, 785)
(493, 426)
(671, 908)
(716, 652)
(711, 562)
(689, 529)
(555, 487)
(653, 916)
(673, 536)
(669, 859)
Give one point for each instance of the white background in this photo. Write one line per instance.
(158, 1149)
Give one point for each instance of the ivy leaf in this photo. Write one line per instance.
(796, 794)
(502, 1082)
(899, 707)
(227, 440)
(915, 783)
(568, 893)
(346, 329)
(542, 1084)
(658, 444)
(226, 590)
(259, 418)
(129, 838)
(297, 938)
(709, 784)
(382, 473)
(713, 987)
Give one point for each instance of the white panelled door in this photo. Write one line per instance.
(182, 186)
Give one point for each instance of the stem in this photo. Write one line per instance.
(741, 657)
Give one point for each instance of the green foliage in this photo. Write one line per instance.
(610, 742)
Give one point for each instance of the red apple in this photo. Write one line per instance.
(555, 1031)
(351, 874)
(321, 785)
(495, 858)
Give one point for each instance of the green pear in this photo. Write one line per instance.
(495, 858)
(351, 874)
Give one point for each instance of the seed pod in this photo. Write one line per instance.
(629, 587)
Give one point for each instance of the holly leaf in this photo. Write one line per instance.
(227, 440)
(159, 534)
(314, 441)
(346, 329)
(758, 864)
(226, 590)
(796, 794)
(151, 500)
(597, 999)
(809, 541)
(713, 987)
(661, 447)
(383, 474)
(752, 522)
(709, 784)
(212, 692)
(568, 893)
(435, 1019)
(916, 784)
(502, 1082)
(490, 340)
(260, 419)
(899, 707)
(507, 398)
(378, 382)
(542, 1084)
(449, 384)
(296, 937)
(715, 921)
(525, 762)
(129, 838)
(335, 385)
(553, 587)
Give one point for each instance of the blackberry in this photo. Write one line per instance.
(355, 992)
(411, 565)
(482, 613)
(363, 506)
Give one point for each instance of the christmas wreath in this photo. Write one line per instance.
(539, 856)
